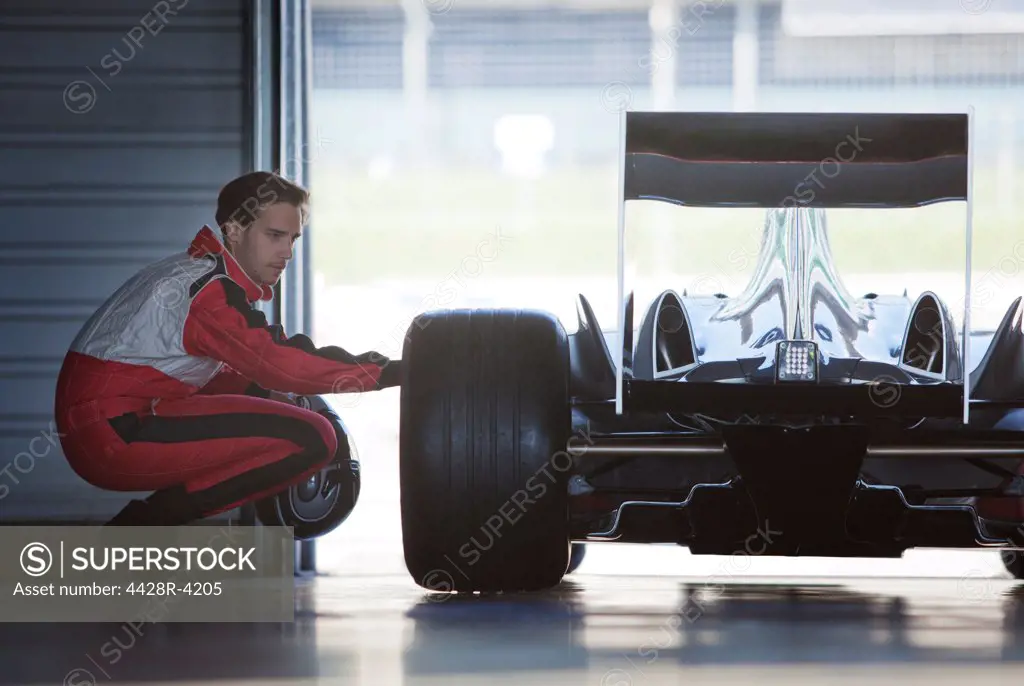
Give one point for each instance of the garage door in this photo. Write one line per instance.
(119, 121)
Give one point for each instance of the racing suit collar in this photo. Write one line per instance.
(207, 242)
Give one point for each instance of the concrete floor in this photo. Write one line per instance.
(596, 629)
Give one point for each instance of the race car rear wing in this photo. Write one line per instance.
(799, 160)
(703, 159)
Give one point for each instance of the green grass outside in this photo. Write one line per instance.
(415, 226)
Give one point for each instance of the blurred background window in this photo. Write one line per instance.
(468, 155)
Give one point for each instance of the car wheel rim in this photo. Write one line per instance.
(308, 504)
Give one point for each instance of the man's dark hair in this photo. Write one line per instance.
(241, 200)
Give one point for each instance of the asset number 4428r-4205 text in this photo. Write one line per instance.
(211, 588)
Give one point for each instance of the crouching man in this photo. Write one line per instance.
(177, 384)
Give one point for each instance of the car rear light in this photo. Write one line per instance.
(796, 361)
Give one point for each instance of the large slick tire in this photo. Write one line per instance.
(485, 420)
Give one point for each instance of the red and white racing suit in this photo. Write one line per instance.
(163, 389)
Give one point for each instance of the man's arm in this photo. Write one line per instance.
(223, 326)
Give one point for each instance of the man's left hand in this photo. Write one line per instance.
(287, 398)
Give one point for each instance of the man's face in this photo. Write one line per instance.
(265, 248)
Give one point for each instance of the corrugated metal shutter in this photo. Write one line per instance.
(119, 121)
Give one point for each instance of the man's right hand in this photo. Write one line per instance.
(390, 375)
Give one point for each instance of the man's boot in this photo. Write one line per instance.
(135, 513)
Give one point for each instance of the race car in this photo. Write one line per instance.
(792, 417)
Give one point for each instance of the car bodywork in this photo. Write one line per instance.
(703, 429)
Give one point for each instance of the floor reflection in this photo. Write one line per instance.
(497, 633)
(593, 629)
(725, 624)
